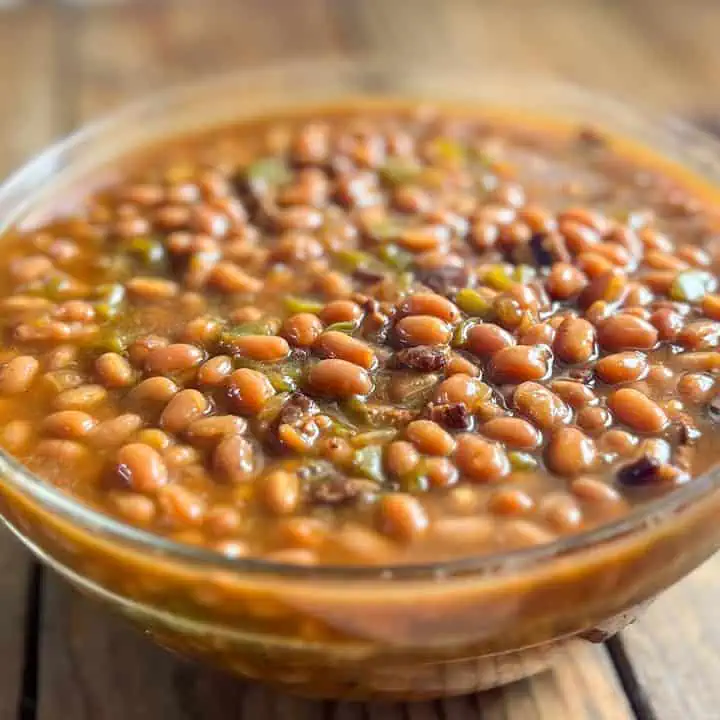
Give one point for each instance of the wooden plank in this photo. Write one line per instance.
(674, 650)
(28, 120)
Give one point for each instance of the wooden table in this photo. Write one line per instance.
(64, 62)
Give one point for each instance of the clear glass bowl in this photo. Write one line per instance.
(404, 632)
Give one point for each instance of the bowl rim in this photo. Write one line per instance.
(42, 167)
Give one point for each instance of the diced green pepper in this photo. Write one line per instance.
(498, 278)
(691, 285)
(373, 437)
(353, 259)
(271, 171)
(395, 257)
(400, 171)
(150, 251)
(367, 461)
(473, 303)
(294, 304)
(449, 151)
(347, 326)
(460, 334)
(524, 273)
(522, 461)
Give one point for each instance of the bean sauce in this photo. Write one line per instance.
(306, 341)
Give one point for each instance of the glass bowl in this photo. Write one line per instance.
(356, 632)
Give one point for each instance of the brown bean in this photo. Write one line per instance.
(538, 334)
(248, 391)
(593, 420)
(402, 517)
(457, 364)
(637, 410)
(82, 397)
(565, 281)
(151, 288)
(626, 332)
(115, 430)
(280, 492)
(15, 435)
(576, 394)
(622, 367)
(339, 379)
(440, 472)
(184, 408)
(541, 406)
(480, 460)
(335, 344)
(700, 335)
(422, 330)
(180, 507)
(711, 306)
(696, 388)
(521, 363)
(263, 348)
(136, 509)
(703, 361)
(234, 459)
(207, 431)
(570, 452)
(617, 442)
(302, 329)
(154, 391)
(18, 375)
(173, 359)
(114, 370)
(461, 388)
(430, 438)
(69, 424)
(486, 339)
(340, 311)
(575, 341)
(140, 468)
(512, 432)
(561, 511)
(510, 501)
(430, 304)
(401, 458)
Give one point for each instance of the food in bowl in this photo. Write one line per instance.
(372, 336)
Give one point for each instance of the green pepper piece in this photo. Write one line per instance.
(522, 461)
(294, 304)
(112, 293)
(691, 285)
(270, 171)
(259, 327)
(367, 461)
(353, 259)
(348, 327)
(281, 383)
(150, 251)
(449, 150)
(399, 171)
(498, 278)
(110, 340)
(473, 303)
(395, 257)
(524, 273)
(460, 334)
(373, 437)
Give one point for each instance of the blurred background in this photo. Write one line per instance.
(64, 61)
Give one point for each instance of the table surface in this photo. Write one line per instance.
(62, 62)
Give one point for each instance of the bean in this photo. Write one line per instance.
(474, 532)
(521, 533)
(18, 375)
(337, 450)
(337, 378)
(593, 420)
(480, 460)
(402, 517)
(570, 452)
(461, 388)
(302, 329)
(340, 311)
(183, 408)
(114, 370)
(565, 281)
(263, 348)
(700, 335)
(510, 501)
(16, 435)
(215, 371)
(207, 431)
(617, 442)
(575, 394)
(541, 406)
(486, 339)
(626, 332)
(136, 509)
(151, 288)
(512, 432)
(703, 361)
(180, 507)
(430, 438)
(115, 431)
(637, 410)
(173, 359)
(249, 390)
(234, 459)
(422, 330)
(335, 344)
(622, 367)
(139, 349)
(696, 388)
(155, 438)
(440, 472)
(710, 305)
(401, 458)
(154, 391)
(561, 511)
(430, 304)
(222, 521)
(539, 334)
(595, 491)
(69, 424)
(202, 330)
(457, 364)
(229, 278)
(661, 379)
(575, 341)
(140, 468)
(280, 492)
(82, 397)
(521, 363)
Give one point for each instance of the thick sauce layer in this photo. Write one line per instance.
(368, 337)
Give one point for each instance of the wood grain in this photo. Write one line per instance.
(28, 121)
(674, 650)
